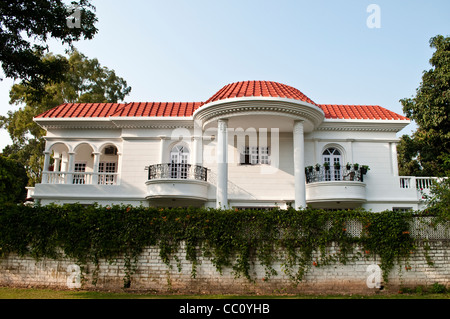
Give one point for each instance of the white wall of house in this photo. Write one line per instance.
(264, 185)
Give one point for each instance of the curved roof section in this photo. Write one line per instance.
(258, 88)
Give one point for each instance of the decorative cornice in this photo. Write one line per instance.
(297, 110)
(363, 125)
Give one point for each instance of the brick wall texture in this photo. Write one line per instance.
(152, 275)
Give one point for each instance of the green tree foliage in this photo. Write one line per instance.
(427, 151)
(26, 25)
(13, 179)
(86, 81)
(438, 201)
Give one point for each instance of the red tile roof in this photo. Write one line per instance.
(71, 110)
(360, 112)
(259, 88)
(159, 109)
(233, 90)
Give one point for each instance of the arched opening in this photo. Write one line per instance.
(56, 164)
(332, 161)
(83, 166)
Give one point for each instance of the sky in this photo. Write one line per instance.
(370, 52)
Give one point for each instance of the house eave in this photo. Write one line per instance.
(363, 125)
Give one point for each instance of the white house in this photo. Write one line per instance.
(253, 144)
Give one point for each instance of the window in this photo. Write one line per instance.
(179, 158)
(401, 209)
(253, 155)
(110, 150)
(253, 208)
(107, 167)
(79, 178)
(332, 157)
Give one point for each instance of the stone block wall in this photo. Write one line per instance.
(152, 275)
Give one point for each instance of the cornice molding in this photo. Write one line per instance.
(227, 108)
(363, 125)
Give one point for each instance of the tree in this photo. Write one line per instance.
(13, 179)
(26, 25)
(85, 81)
(438, 201)
(427, 151)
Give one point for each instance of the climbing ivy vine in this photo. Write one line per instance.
(228, 238)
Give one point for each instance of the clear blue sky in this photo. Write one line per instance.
(186, 50)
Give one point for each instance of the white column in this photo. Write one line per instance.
(71, 168)
(57, 163)
(119, 168)
(222, 164)
(197, 154)
(317, 157)
(299, 165)
(394, 160)
(45, 169)
(95, 177)
(162, 146)
(351, 160)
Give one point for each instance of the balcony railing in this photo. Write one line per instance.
(332, 174)
(420, 183)
(177, 171)
(80, 178)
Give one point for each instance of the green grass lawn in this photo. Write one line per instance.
(33, 293)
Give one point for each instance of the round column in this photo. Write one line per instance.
(299, 165)
(222, 164)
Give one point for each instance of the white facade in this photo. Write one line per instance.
(237, 152)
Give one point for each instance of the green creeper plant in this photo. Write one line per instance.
(296, 239)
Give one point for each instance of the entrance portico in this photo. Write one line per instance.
(259, 115)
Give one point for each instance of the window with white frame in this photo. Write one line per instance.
(107, 167)
(253, 155)
(78, 168)
(332, 157)
(107, 172)
(179, 159)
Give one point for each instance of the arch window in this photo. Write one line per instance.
(333, 157)
(179, 159)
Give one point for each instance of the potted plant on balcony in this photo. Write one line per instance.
(337, 166)
(317, 167)
(356, 166)
(348, 166)
(326, 165)
(364, 169)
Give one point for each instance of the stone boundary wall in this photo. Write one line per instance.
(152, 275)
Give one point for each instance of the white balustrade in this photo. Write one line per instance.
(79, 178)
(420, 183)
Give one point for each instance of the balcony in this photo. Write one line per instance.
(177, 182)
(337, 187)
